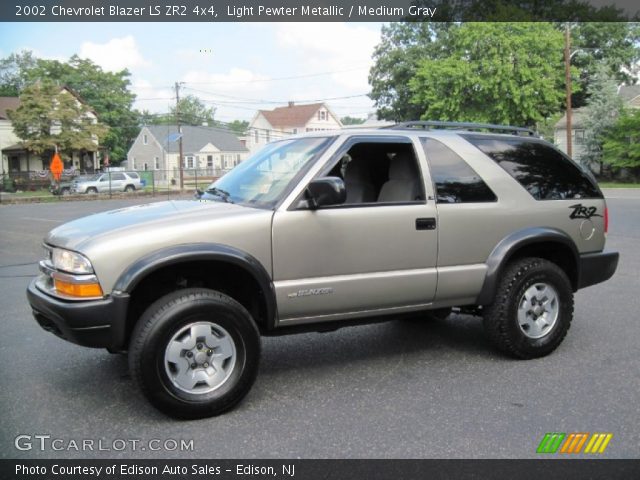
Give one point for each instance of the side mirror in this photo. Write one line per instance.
(326, 191)
(198, 194)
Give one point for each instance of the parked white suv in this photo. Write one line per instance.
(106, 182)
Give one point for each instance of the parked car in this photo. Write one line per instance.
(108, 181)
(324, 230)
(64, 188)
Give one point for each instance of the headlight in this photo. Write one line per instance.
(70, 262)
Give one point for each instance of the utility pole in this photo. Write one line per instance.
(567, 75)
(180, 161)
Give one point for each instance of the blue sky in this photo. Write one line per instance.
(236, 67)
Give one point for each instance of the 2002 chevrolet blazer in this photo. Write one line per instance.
(323, 230)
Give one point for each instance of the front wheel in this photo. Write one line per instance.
(532, 310)
(195, 353)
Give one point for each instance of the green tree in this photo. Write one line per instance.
(238, 127)
(396, 59)
(50, 117)
(621, 143)
(603, 108)
(616, 45)
(351, 120)
(193, 111)
(13, 72)
(494, 72)
(404, 45)
(106, 92)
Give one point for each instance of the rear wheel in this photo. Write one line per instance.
(195, 353)
(129, 188)
(65, 191)
(532, 310)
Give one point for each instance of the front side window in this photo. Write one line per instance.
(541, 169)
(455, 181)
(379, 173)
(263, 180)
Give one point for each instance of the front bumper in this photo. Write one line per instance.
(597, 267)
(95, 323)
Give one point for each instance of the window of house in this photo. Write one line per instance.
(256, 136)
(455, 181)
(209, 161)
(295, 130)
(146, 166)
(541, 169)
(268, 136)
(189, 161)
(145, 140)
(156, 163)
(133, 163)
(578, 137)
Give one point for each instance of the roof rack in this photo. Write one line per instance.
(428, 125)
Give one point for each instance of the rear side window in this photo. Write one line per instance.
(541, 169)
(454, 179)
(118, 176)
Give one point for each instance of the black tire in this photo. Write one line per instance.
(92, 190)
(500, 319)
(65, 191)
(129, 188)
(158, 326)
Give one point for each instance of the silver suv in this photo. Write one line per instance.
(107, 182)
(325, 230)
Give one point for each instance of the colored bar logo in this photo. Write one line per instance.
(557, 442)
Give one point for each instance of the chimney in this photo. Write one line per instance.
(291, 103)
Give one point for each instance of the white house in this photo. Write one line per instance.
(208, 149)
(17, 159)
(268, 125)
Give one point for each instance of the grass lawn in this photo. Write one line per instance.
(618, 185)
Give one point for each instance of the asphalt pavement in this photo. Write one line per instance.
(391, 390)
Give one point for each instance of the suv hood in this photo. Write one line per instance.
(152, 218)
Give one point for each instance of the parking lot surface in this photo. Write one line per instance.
(390, 390)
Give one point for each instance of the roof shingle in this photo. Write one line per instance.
(8, 103)
(196, 137)
(292, 115)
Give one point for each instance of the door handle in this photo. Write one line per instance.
(426, 223)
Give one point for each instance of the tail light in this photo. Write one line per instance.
(606, 219)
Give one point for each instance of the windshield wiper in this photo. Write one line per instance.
(223, 194)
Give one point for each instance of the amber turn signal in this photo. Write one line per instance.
(79, 290)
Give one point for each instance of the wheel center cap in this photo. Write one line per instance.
(538, 310)
(201, 357)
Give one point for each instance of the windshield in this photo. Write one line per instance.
(262, 180)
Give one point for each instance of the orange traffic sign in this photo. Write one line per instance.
(56, 166)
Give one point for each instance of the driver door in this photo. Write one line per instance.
(363, 258)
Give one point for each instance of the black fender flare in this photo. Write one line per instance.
(505, 249)
(188, 252)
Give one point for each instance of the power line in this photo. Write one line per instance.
(280, 78)
(259, 100)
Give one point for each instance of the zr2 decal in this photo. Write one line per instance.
(580, 211)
